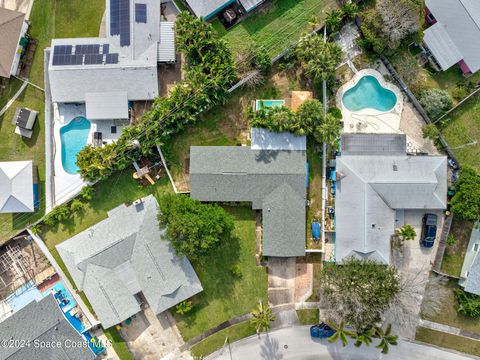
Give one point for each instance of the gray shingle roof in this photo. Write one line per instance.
(11, 23)
(206, 7)
(41, 321)
(456, 32)
(274, 181)
(369, 191)
(123, 255)
(470, 274)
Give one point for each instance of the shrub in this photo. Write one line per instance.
(236, 270)
(57, 215)
(467, 304)
(184, 307)
(77, 205)
(466, 201)
(430, 132)
(435, 102)
(459, 93)
(451, 240)
(336, 112)
(194, 228)
(87, 193)
(36, 229)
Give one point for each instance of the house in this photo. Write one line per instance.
(271, 174)
(376, 183)
(123, 262)
(209, 8)
(13, 28)
(24, 120)
(454, 34)
(42, 323)
(117, 68)
(16, 187)
(470, 274)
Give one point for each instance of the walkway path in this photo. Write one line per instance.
(12, 100)
(448, 329)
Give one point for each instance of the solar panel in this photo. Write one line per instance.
(91, 59)
(141, 13)
(62, 49)
(111, 59)
(120, 20)
(106, 48)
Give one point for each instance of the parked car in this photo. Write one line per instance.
(321, 331)
(429, 230)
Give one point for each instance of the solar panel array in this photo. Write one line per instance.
(141, 13)
(120, 20)
(83, 55)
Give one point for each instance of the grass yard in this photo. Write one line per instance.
(49, 19)
(454, 254)
(308, 316)
(118, 344)
(418, 78)
(275, 25)
(224, 125)
(448, 341)
(462, 132)
(216, 341)
(225, 296)
(449, 316)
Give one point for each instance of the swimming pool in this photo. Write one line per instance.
(368, 93)
(263, 104)
(74, 138)
(60, 292)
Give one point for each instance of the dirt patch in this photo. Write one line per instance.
(169, 75)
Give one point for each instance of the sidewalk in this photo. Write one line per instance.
(448, 329)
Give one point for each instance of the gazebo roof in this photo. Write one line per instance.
(16, 187)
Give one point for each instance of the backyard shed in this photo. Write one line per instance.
(24, 120)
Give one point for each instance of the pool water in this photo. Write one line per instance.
(74, 138)
(368, 93)
(63, 294)
(263, 104)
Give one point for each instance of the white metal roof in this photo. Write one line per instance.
(263, 139)
(16, 187)
(442, 46)
(106, 105)
(460, 19)
(166, 47)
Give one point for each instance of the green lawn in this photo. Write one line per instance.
(216, 341)
(462, 130)
(449, 316)
(118, 344)
(308, 316)
(277, 25)
(452, 261)
(225, 296)
(448, 341)
(49, 19)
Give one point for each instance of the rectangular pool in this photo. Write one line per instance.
(264, 104)
(61, 293)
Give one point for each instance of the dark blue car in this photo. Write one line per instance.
(429, 230)
(321, 331)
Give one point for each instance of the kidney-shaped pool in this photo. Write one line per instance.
(74, 138)
(368, 93)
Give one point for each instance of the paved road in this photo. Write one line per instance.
(295, 343)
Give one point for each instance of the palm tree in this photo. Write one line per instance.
(349, 10)
(262, 316)
(386, 338)
(313, 22)
(340, 333)
(334, 20)
(364, 337)
(407, 232)
(328, 131)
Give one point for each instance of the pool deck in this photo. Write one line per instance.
(371, 120)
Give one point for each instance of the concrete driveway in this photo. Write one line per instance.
(151, 337)
(296, 343)
(281, 280)
(414, 264)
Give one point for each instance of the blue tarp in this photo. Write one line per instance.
(316, 230)
(36, 201)
(333, 175)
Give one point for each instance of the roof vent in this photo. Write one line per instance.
(395, 168)
(373, 226)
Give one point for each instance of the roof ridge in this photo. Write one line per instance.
(19, 14)
(469, 15)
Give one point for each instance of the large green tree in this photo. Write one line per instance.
(466, 201)
(318, 58)
(194, 228)
(435, 102)
(358, 292)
